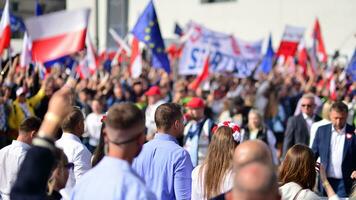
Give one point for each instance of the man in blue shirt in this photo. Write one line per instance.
(165, 166)
(113, 177)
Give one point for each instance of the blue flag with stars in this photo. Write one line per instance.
(147, 30)
(351, 69)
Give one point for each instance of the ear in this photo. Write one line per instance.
(33, 134)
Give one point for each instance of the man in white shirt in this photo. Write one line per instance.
(11, 156)
(76, 152)
(154, 98)
(93, 124)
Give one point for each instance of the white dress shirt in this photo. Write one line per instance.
(314, 128)
(93, 128)
(77, 154)
(336, 153)
(11, 158)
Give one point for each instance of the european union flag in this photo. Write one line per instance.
(147, 30)
(351, 69)
(267, 62)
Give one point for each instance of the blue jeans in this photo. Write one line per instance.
(338, 186)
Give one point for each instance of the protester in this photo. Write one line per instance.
(163, 164)
(93, 124)
(298, 127)
(257, 130)
(198, 131)
(76, 152)
(113, 177)
(154, 100)
(59, 175)
(335, 144)
(12, 156)
(297, 175)
(215, 175)
(257, 181)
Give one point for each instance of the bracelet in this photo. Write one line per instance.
(50, 116)
(44, 143)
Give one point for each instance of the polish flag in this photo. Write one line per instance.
(25, 58)
(136, 59)
(319, 43)
(5, 29)
(91, 57)
(290, 40)
(202, 76)
(57, 34)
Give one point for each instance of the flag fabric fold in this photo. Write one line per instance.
(135, 60)
(57, 34)
(318, 43)
(204, 74)
(5, 28)
(267, 61)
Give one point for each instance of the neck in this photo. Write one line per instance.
(120, 153)
(23, 139)
(168, 132)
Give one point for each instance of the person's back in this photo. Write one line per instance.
(158, 163)
(12, 156)
(113, 177)
(126, 183)
(165, 166)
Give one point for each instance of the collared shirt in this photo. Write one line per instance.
(166, 168)
(76, 153)
(309, 120)
(11, 158)
(111, 178)
(336, 153)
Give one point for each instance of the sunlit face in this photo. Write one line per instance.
(308, 106)
(254, 120)
(338, 119)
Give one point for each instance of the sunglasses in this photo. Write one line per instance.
(307, 105)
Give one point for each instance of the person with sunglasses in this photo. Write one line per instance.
(298, 127)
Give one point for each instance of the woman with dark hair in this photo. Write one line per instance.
(297, 175)
(214, 176)
(99, 151)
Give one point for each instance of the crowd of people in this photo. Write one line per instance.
(282, 135)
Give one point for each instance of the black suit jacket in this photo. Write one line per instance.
(297, 132)
(321, 148)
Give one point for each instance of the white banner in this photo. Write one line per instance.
(227, 53)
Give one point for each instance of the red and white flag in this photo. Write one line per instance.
(26, 58)
(91, 56)
(5, 28)
(136, 59)
(319, 43)
(290, 40)
(57, 34)
(204, 74)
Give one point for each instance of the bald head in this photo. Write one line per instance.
(255, 180)
(252, 150)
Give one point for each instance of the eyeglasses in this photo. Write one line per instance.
(307, 105)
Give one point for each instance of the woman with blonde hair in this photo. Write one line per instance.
(214, 176)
